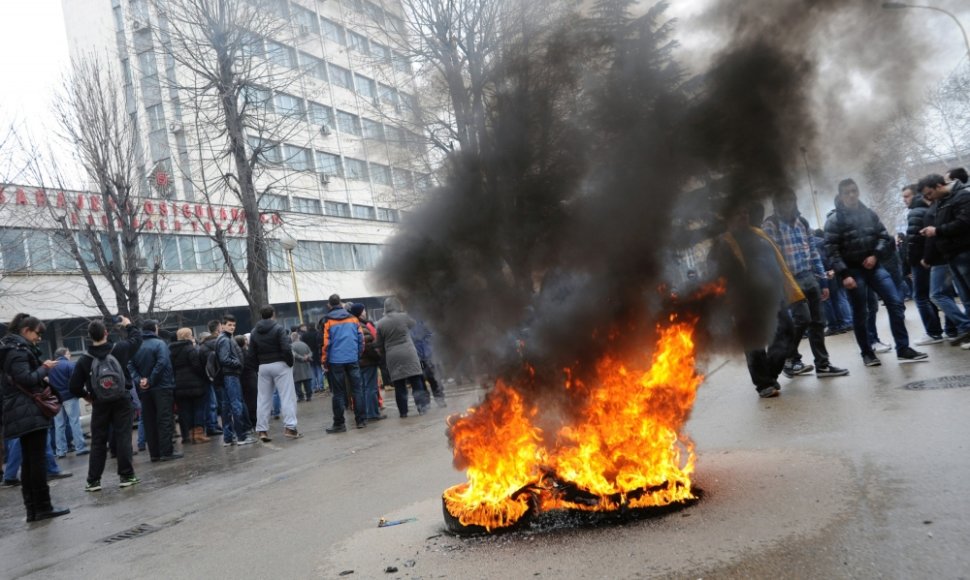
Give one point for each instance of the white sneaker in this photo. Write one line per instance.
(927, 340)
(965, 346)
(248, 440)
(880, 347)
(229, 443)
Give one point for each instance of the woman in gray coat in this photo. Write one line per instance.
(302, 373)
(403, 364)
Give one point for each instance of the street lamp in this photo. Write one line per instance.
(901, 6)
(811, 186)
(289, 244)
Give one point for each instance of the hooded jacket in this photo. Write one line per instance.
(121, 350)
(916, 221)
(343, 341)
(269, 343)
(21, 365)
(60, 377)
(394, 340)
(230, 356)
(153, 361)
(952, 221)
(189, 366)
(852, 235)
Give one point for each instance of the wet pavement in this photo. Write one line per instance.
(852, 477)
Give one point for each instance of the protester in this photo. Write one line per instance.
(270, 346)
(792, 235)
(302, 374)
(403, 364)
(207, 348)
(151, 371)
(422, 337)
(314, 340)
(838, 313)
(236, 426)
(915, 250)
(856, 240)
(24, 374)
(343, 343)
(370, 361)
(249, 379)
(191, 386)
(109, 418)
(70, 415)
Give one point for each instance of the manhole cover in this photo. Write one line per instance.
(952, 382)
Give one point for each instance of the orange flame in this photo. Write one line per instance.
(626, 449)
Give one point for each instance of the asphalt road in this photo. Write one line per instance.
(853, 477)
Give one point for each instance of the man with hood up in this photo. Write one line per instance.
(270, 346)
(856, 241)
(343, 343)
(403, 364)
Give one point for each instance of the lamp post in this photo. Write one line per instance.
(902, 6)
(289, 244)
(811, 185)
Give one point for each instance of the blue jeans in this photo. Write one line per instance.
(960, 270)
(879, 280)
(368, 375)
(347, 376)
(235, 416)
(942, 294)
(70, 416)
(14, 458)
(838, 313)
(277, 403)
(317, 370)
(212, 411)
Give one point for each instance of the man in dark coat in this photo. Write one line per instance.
(151, 371)
(114, 417)
(270, 346)
(929, 314)
(314, 340)
(235, 418)
(951, 231)
(856, 241)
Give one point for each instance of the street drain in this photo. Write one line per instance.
(951, 382)
(139, 530)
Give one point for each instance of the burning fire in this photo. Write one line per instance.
(625, 451)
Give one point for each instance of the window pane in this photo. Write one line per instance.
(386, 214)
(380, 174)
(364, 212)
(372, 129)
(63, 258)
(12, 246)
(388, 95)
(402, 179)
(356, 169)
(321, 114)
(348, 123)
(272, 202)
(156, 117)
(39, 247)
(151, 249)
(279, 54)
(305, 20)
(315, 67)
(366, 87)
(357, 42)
(288, 105)
(277, 260)
(207, 254)
(337, 256)
(297, 158)
(337, 209)
(170, 253)
(365, 256)
(305, 205)
(329, 164)
(341, 77)
(237, 251)
(332, 31)
(187, 249)
(309, 256)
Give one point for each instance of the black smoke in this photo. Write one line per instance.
(604, 156)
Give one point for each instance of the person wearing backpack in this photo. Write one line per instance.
(191, 386)
(151, 372)
(112, 409)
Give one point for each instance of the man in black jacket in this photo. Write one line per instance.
(950, 229)
(235, 417)
(915, 245)
(114, 416)
(270, 346)
(856, 241)
(151, 371)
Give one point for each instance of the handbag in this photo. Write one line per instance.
(48, 403)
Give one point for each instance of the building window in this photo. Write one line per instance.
(338, 256)
(273, 202)
(388, 95)
(63, 257)
(336, 209)
(280, 55)
(39, 250)
(394, 135)
(305, 20)
(375, 12)
(381, 174)
(268, 151)
(372, 129)
(158, 145)
(382, 51)
(357, 42)
(386, 214)
(367, 88)
(402, 64)
(348, 123)
(205, 252)
(402, 179)
(329, 164)
(297, 158)
(237, 252)
(321, 115)
(332, 31)
(274, 253)
(341, 77)
(364, 212)
(308, 256)
(252, 45)
(187, 250)
(288, 105)
(258, 98)
(306, 205)
(314, 67)
(170, 253)
(356, 169)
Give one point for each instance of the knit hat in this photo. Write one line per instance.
(356, 309)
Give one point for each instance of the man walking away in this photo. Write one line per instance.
(270, 346)
(394, 341)
(235, 417)
(422, 337)
(70, 415)
(856, 240)
(111, 410)
(791, 233)
(343, 343)
(929, 314)
(151, 371)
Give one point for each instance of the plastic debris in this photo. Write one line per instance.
(385, 523)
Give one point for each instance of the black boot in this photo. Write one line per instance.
(53, 512)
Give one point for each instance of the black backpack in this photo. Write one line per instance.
(212, 367)
(107, 379)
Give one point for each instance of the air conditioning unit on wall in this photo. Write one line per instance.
(325, 130)
(325, 179)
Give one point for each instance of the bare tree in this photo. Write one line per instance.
(227, 77)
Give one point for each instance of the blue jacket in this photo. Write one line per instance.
(154, 362)
(343, 340)
(60, 377)
(421, 335)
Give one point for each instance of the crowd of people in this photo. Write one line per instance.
(829, 281)
(221, 384)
